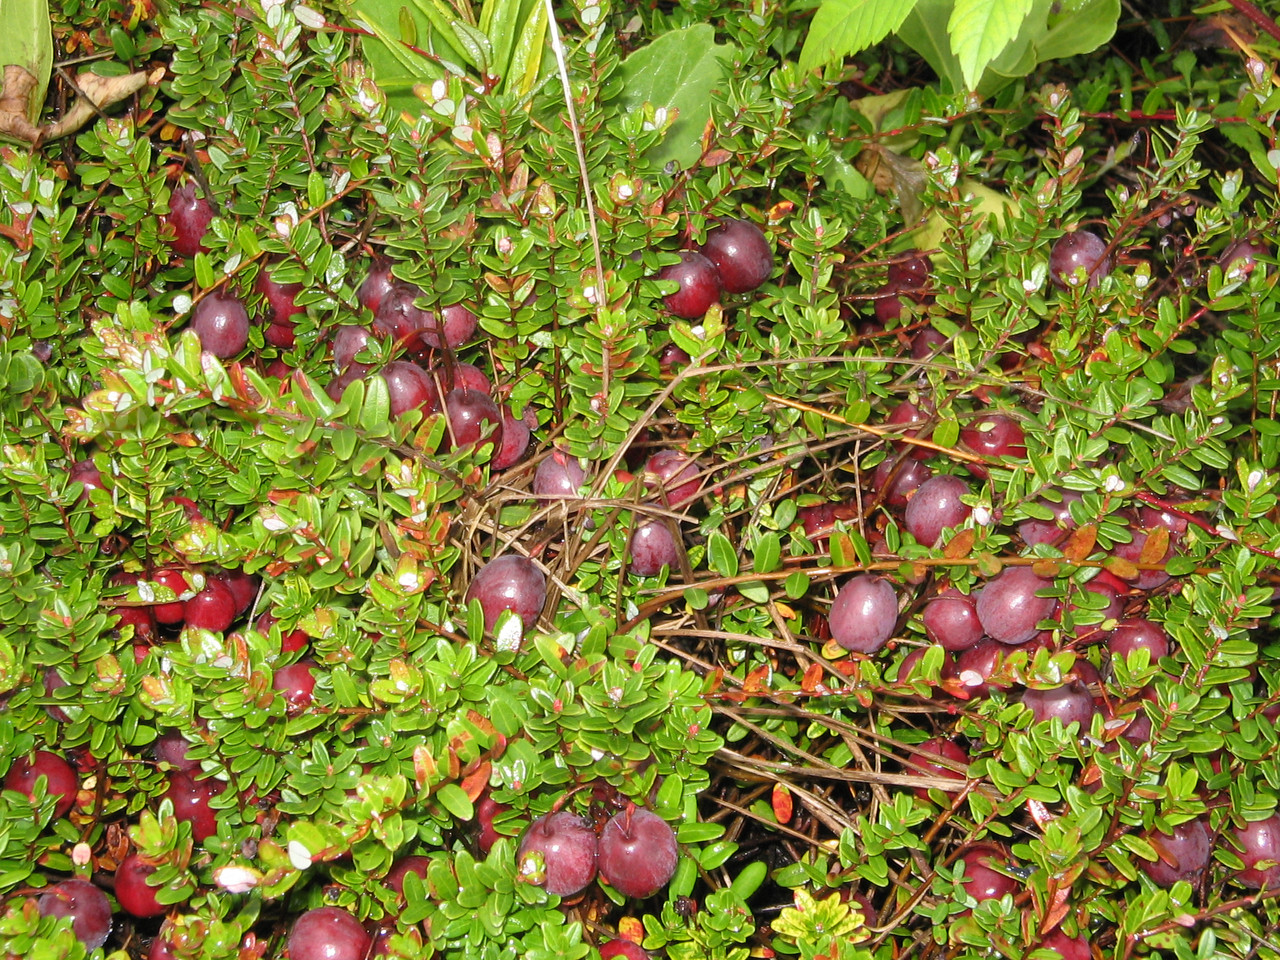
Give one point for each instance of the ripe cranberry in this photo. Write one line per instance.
(626, 949)
(637, 853)
(404, 866)
(133, 892)
(558, 477)
(698, 282)
(982, 877)
(515, 441)
(376, 285)
(920, 761)
(190, 800)
(222, 324)
(469, 415)
(175, 580)
(671, 477)
(61, 781)
(1078, 251)
(741, 254)
(1259, 848)
(327, 933)
(86, 905)
(189, 216)
(297, 681)
(450, 326)
(488, 810)
(213, 608)
(86, 473)
(863, 614)
(567, 845)
(279, 297)
(653, 546)
(1183, 854)
(510, 582)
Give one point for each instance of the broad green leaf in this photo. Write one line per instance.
(924, 30)
(678, 72)
(980, 31)
(721, 556)
(1078, 26)
(398, 27)
(842, 28)
(27, 41)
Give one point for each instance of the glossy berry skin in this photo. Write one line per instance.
(398, 315)
(280, 299)
(982, 880)
(995, 435)
(487, 811)
(348, 341)
(653, 547)
(864, 613)
(671, 477)
(1070, 703)
(1183, 854)
(568, 846)
(699, 283)
(297, 681)
(897, 478)
(1068, 948)
(515, 442)
(558, 477)
(1134, 634)
(450, 326)
(936, 506)
(638, 853)
(175, 580)
(327, 933)
(510, 582)
(171, 748)
(626, 949)
(376, 285)
(1258, 846)
(86, 473)
(401, 868)
(62, 780)
(1080, 250)
(409, 387)
(470, 415)
(741, 255)
(920, 761)
(1050, 531)
(133, 892)
(88, 907)
(213, 608)
(189, 216)
(951, 619)
(1008, 607)
(975, 667)
(190, 800)
(222, 324)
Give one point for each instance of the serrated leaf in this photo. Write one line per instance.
(842, 28)
(677, 72)
(980, 30)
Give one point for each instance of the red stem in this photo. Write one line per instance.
(1260, 19)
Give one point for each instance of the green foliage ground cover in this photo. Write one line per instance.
(707, 693)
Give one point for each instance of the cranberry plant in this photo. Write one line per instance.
(743, 514)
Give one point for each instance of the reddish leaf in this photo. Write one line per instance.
(782, 804)
(1080, 544)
